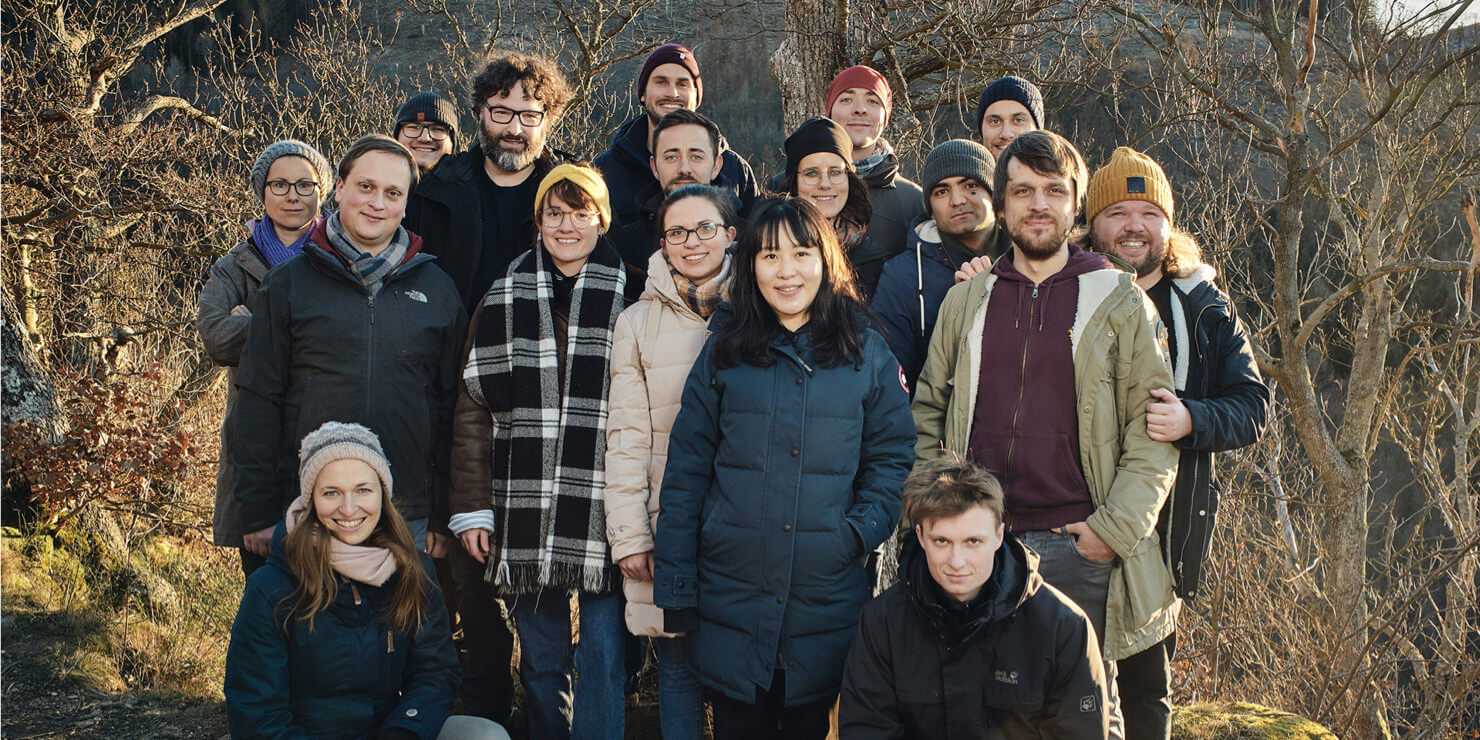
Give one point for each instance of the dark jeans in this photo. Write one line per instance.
(488, 644)
(768, 717)
(1145, 682)
(250, 562)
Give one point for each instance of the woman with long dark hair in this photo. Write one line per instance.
(819, 168)
(342, 634)
(785, 465)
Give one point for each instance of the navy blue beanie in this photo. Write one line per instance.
(1012, 88)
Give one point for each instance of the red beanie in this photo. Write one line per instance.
(859, 76)
(671, 54)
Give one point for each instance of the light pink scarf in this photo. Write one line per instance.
(369, 565)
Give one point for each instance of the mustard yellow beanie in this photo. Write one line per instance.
(1130, 175)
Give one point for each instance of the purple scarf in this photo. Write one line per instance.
(271, 247)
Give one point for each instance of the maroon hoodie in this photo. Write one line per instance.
(1024, 427)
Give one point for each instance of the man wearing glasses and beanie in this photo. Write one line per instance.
(427, 125)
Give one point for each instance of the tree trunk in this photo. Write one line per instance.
(29, 394)
(810, 55)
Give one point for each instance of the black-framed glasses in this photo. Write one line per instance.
(305, 188)
(500, 114)
(814, 175)
(437, 131)
(579, 220)
(679, 235)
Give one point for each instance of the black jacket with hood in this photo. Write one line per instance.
(321, 348)
(445, 210)
(635, 193)
(1019, 661)
(1218, 381)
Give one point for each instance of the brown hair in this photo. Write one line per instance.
(571, 194)
(857, 210)
(306, 549)
(541, 79)
(950, 486)
(724, 201)
(378, 143)
(686, 117)
(1046, 153)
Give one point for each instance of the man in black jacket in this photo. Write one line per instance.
(971, 643)
(669, 81)
(1219, 402)
(475, 210)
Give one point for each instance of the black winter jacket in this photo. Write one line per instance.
(1022, 662)
(635, 194)
(351, 676)
(1218, 381)
(446, 211)
(321, 349)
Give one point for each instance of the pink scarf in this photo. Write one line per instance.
(369, 565)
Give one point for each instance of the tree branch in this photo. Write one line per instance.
(1421, 263)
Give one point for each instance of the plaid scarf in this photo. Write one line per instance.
(865, 167)
(706, 297)
(549, 450)
(371, 270)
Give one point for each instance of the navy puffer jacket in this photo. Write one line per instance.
(779, 480)
(351, 676)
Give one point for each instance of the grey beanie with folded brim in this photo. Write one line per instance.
(337, 440)
(956, 158)
(290, 148)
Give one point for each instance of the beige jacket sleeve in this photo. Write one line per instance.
(629, 444)
(932, 402)
(1146, 469)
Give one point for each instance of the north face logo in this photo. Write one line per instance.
(1005, 677)
(416, 295)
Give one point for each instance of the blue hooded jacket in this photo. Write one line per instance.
(780, 480)
(351, 676)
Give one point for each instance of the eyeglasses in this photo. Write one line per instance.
(813, 176)
(530, 118)
(679, 235)
(437, 132)
(582, 219)
(305, 188)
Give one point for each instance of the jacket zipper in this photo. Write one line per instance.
(1022, 382)
(355, 591)
(390, 642)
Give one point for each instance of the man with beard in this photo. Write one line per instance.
(427, 125)
(958, 225)
(1057, 408)
(686, 151)
(669, 81)
(475, 212)
(1217, 401)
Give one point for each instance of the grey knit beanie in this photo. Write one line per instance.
(956, 158)
(339, 441)
(290, 148)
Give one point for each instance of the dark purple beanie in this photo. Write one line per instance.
(1012, 88)
(672, 54)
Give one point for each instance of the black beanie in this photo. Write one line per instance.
(1012, 88)
(817, 135)
(427, 107)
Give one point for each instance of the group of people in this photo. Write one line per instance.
(495, 384)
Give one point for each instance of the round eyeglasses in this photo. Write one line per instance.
(582, 219)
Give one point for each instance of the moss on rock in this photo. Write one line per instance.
(1242, 721)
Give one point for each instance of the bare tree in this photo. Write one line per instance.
(1342, 137)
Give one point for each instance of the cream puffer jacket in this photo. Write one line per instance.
(654, 344)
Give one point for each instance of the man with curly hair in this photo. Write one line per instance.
(475, 212)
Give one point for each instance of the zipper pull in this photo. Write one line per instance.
(390, 642)
(355, 591)
(372, 309)
(1035, 291)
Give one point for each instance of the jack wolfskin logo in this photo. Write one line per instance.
(1135, 185)
(416, 295)
(1005, 677)
(1088, 703)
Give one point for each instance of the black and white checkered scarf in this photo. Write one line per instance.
(549, 448)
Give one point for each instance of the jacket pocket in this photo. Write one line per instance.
(1148, 584)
